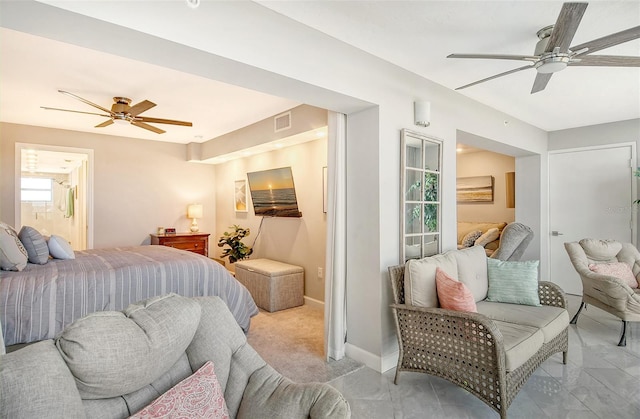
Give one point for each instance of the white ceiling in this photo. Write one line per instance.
(416, 35)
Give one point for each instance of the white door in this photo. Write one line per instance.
(590, 196)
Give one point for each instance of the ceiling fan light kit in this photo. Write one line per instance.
(122, 112)
(552, 52)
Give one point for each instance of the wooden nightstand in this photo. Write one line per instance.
(193, 242)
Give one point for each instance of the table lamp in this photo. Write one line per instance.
(194, 211)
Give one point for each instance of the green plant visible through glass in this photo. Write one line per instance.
(430, 195)
(636, 174)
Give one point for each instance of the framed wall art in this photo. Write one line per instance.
(240, 195)
(474, 189)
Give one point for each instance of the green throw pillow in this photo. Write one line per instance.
(513, 282)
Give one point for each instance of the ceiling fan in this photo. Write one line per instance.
(552, 52)
(122, 111)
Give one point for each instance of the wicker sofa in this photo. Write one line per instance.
(113, 364)
(490, 353)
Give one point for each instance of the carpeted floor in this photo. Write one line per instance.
(292, 342)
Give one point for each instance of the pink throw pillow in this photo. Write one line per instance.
(197, 396)
(618, 269)
(454, 295)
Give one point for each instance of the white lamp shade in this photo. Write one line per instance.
(422, 113)
(194, 211)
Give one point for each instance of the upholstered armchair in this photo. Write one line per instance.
(514, 240)
(603, 266)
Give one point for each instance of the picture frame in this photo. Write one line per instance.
(474, 189)
(325, 197)
(240, 196)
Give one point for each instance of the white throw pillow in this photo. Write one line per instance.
(420, 278)
(59, 248)
(13, 255)
(489, 236)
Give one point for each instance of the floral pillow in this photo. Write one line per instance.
(452, 294)
(618, 269)
(470, 238)
(197, 396)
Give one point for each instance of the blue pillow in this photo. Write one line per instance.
(513, 282)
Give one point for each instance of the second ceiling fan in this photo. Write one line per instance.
(121, 110)
(553, 52)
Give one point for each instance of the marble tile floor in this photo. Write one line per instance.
(601, 380)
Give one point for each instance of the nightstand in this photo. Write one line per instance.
(192, 242)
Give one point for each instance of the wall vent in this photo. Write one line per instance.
(282, 122)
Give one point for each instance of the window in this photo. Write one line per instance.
(420, 214)
(36, 189)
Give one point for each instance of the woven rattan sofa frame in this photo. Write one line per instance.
(467, 348)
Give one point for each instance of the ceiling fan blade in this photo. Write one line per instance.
(608, 41)
(105, 123)
(495, 76)
(607, 61)
(541, 82)
(70, 110)
(85, 101)
(496, 56)
(138, 108)
(147, 126)
(566, 26)
(162, 121)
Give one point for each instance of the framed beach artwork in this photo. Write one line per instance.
(474, 189)
(240, 196)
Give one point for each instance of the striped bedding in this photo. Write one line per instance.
(42, 300)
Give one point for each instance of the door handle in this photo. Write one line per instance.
(556, 233)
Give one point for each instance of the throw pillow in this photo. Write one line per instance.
(59, 248)
(197, 396)
(513, 282)
(618, 269)
(470, 238)
(13, 255)
(452, 294)
(489, 236)
(36, 245)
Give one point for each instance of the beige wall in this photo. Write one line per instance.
(484, 163)
(138, 185)
(298, 241)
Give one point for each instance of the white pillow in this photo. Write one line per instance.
(59, 248)
(13, 255)
(489, 236)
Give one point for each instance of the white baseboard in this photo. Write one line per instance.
(312, 302)
(375, 362)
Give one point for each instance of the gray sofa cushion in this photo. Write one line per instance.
(520, 343)
(49, 378)
(113, 353)
(551, 320)
(226, 347)
(269, 395)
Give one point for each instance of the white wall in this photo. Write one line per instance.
(298, 241)
(487, 163)
(246, 44)
(138, 185)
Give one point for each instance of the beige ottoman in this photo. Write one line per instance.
(273, 285)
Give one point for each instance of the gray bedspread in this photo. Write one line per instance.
(42, 300)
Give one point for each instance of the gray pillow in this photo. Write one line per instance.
(36, 245)
(13, 255)
(112, 353)
(470, 238)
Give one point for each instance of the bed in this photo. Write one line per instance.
(41, 300)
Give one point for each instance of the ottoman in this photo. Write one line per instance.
(273, 285)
